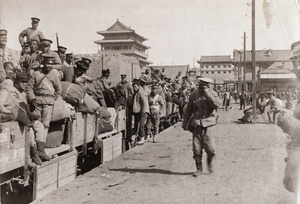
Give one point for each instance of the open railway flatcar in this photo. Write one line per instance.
(81, 139)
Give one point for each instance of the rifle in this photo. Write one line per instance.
(57, 42)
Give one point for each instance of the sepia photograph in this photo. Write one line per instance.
(136, 101)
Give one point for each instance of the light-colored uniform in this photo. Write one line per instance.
(30, 34)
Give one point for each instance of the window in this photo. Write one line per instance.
(207, 72)
(202, 66)
(206, 66)
(229, 72)
(224, 71)
(219, 66)
(212, 72)
(212, 66)
(219, 72)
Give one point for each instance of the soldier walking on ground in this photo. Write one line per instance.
(242, 100)
(200, 117)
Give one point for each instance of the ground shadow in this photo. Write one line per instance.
(152, 171)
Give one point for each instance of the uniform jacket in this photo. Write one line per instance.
(155, 104)
(8, 55)
(68, 71)
(30, 34)
(200, 106)
(48, 90)
(140, 102)
(126, 87)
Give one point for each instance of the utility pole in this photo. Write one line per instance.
(239, 72)
(253, 65)
(244, 86)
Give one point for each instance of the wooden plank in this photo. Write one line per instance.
(12, 158)
(46, 179)
(90, 127)
(11, 128)
(66, 180)
(57, 150)
(106, 134)
(45, 191)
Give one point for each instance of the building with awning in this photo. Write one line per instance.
(278, 77)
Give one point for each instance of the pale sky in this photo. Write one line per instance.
(178, 30)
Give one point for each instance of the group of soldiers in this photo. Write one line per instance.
(35, 79)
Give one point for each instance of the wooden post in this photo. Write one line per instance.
(253, 65)
(85, 134)
(27, 156)
(244, 86)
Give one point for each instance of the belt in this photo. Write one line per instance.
(46, 95)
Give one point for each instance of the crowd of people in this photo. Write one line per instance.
(38, 78)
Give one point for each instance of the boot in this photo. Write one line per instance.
(199, 169)
(141, 142)
(154, 138)
(3, 97)
(34, 156)
(41, 151)
(210, 165)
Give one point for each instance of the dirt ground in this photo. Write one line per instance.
(249, 168)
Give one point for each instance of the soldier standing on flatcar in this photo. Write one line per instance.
(44, 88)
(36, 144)
(61, 51)
(68, 68)
(31, 33)
(6, 54)
(199, 118)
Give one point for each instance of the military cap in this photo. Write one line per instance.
(34, 40)
(161, 82)
(61, 48)
(82, 65)
(135, 81)
(143, 79)
(205, 80)
(46, 41)
(69, 54)
(3, 32)
(22, 77)
(104, 71)
(48, 58)
(157, 71)
(154, 86)
(87, 60)
(35, 19)
(26, 44)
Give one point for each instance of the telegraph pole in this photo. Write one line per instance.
(245, 62)
(253, 65)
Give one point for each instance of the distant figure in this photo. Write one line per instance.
(31, 33)
(288, 104)
(242, 100)
(273, 107)
(226, 100)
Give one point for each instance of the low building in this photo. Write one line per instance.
(278, 77)
(217, 68)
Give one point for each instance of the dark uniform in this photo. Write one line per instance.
(200, 117)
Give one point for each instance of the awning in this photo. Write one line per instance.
(278, 76)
